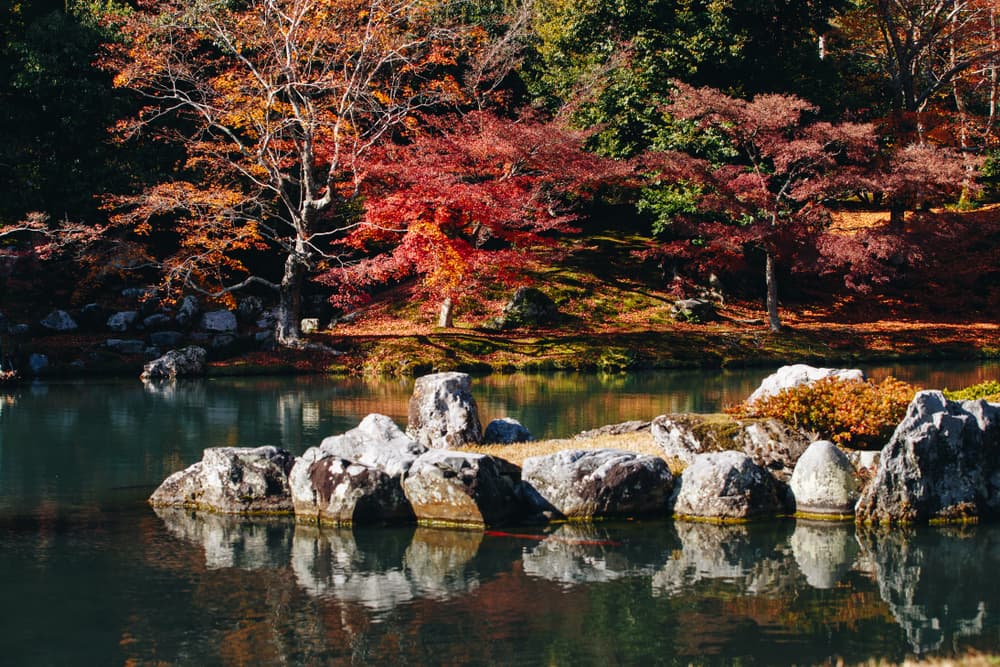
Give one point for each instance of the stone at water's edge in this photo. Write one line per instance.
(824, 483)
(333, 490)
(726, 486)
(442, 412)
(787, 377)
(463, 488)
(505, 431)
(941, 464)
(356, 477)
(599, 483)
(185, 362)
(231, 480)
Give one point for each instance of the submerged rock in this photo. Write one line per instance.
(442, 412)
(941, 464)
(231, 480)
(590, 484)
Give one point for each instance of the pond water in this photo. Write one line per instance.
(91, 575)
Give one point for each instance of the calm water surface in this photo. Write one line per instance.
(92, 576)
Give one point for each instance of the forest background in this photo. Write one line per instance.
(390, 159)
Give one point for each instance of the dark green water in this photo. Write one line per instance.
(92, 576)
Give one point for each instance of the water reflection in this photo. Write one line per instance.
(579, 553)
(936, 584)
(754, 559)
(825, 552)
(328, 562)
(230, 541)
(940, 584)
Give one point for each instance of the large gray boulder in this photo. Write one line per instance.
(787, 377)
(941, 464)
(505, 431)
(376, 442)
(356, 477)
(442, 412)
(726, 486)
(462, 488)
(584, 484)
(769, 442)
(824, 483)
(185, 362)
(329, 489)
(231, 480)
(528, 307)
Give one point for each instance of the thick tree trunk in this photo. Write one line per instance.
(445, 318)
(897, 216)
(772, 293)
(287, 330)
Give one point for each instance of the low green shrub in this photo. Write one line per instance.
(990, 390)
(861, 415)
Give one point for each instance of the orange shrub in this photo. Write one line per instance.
(861, 415)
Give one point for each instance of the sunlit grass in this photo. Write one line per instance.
(639, 442)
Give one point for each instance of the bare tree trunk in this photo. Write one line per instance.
(897, 216)
(287, 330)
(445, 320)
(772, 293)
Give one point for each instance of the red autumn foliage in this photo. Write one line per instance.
(470, 198)
(772, 195)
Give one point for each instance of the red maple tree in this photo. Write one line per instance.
(770, 194)
(469, 198)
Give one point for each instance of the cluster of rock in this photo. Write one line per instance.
(147, 327)
(942, 463)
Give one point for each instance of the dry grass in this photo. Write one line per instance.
(972, 660)
(641, 442)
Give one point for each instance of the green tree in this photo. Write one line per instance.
(613, 61)
(55, 111)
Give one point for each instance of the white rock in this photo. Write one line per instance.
(823, 482)
(787, 377)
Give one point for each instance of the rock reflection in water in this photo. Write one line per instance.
(439, 561)
(232, 541)
(585, 553)
(939, 584)
(331, 562)
(825, 551)
(755, 558)
(381, 568)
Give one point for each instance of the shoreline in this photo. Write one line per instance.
(680, 347)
